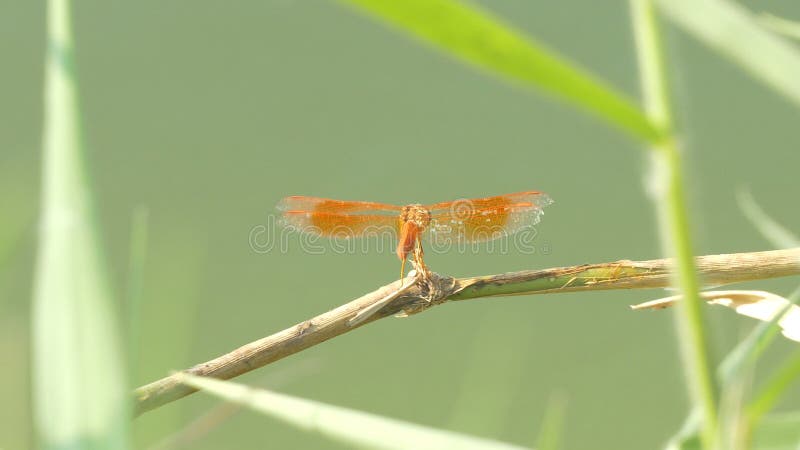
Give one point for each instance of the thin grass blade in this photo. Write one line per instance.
(745, 355)
(774, 388)
(551, 433)
(734, 32)
(788, 28)
(349, 426)
(476, 37)
(771, 229)
(669, 198)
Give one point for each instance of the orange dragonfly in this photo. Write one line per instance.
(465, 220)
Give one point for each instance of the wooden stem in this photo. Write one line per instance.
(714, 270)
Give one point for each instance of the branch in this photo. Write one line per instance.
(714, 270)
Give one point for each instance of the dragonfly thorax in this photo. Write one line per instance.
(417, 214)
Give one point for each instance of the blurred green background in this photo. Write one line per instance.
(206, 114)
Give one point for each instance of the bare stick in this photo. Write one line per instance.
(714, 270)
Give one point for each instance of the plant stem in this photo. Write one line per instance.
(716, 270)
(671, 203)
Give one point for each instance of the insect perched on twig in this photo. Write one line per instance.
(465, 220)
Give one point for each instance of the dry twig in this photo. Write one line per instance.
(714, 270)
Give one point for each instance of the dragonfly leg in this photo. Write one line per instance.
(402, 272)
(419, 261)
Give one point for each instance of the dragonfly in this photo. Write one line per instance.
(457, 221)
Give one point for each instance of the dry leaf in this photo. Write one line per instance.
(759, 305)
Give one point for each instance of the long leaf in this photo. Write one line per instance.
(744, 356)
(670, 199)
(78, 388)
(774, 388)
(778, 235)
(775, 432)
(346, 425)
(475, 36)
(734, 32)
(788, 28)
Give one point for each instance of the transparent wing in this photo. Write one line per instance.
(316, 204)
(485, 219)
(335, 225)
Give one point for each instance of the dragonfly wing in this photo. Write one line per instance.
(485, 219)
(316, 204)
(335, 225)
(526, 198)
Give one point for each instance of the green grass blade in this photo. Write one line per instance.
(773, 231)
(688, 436)
(352, 427)
(745, 355)
(476, 37)
(748, 351)
(78, 385)
(774, 388)
(775, 432)
(731, 30)
(670, 202)
(552, 428)
(788, 28)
